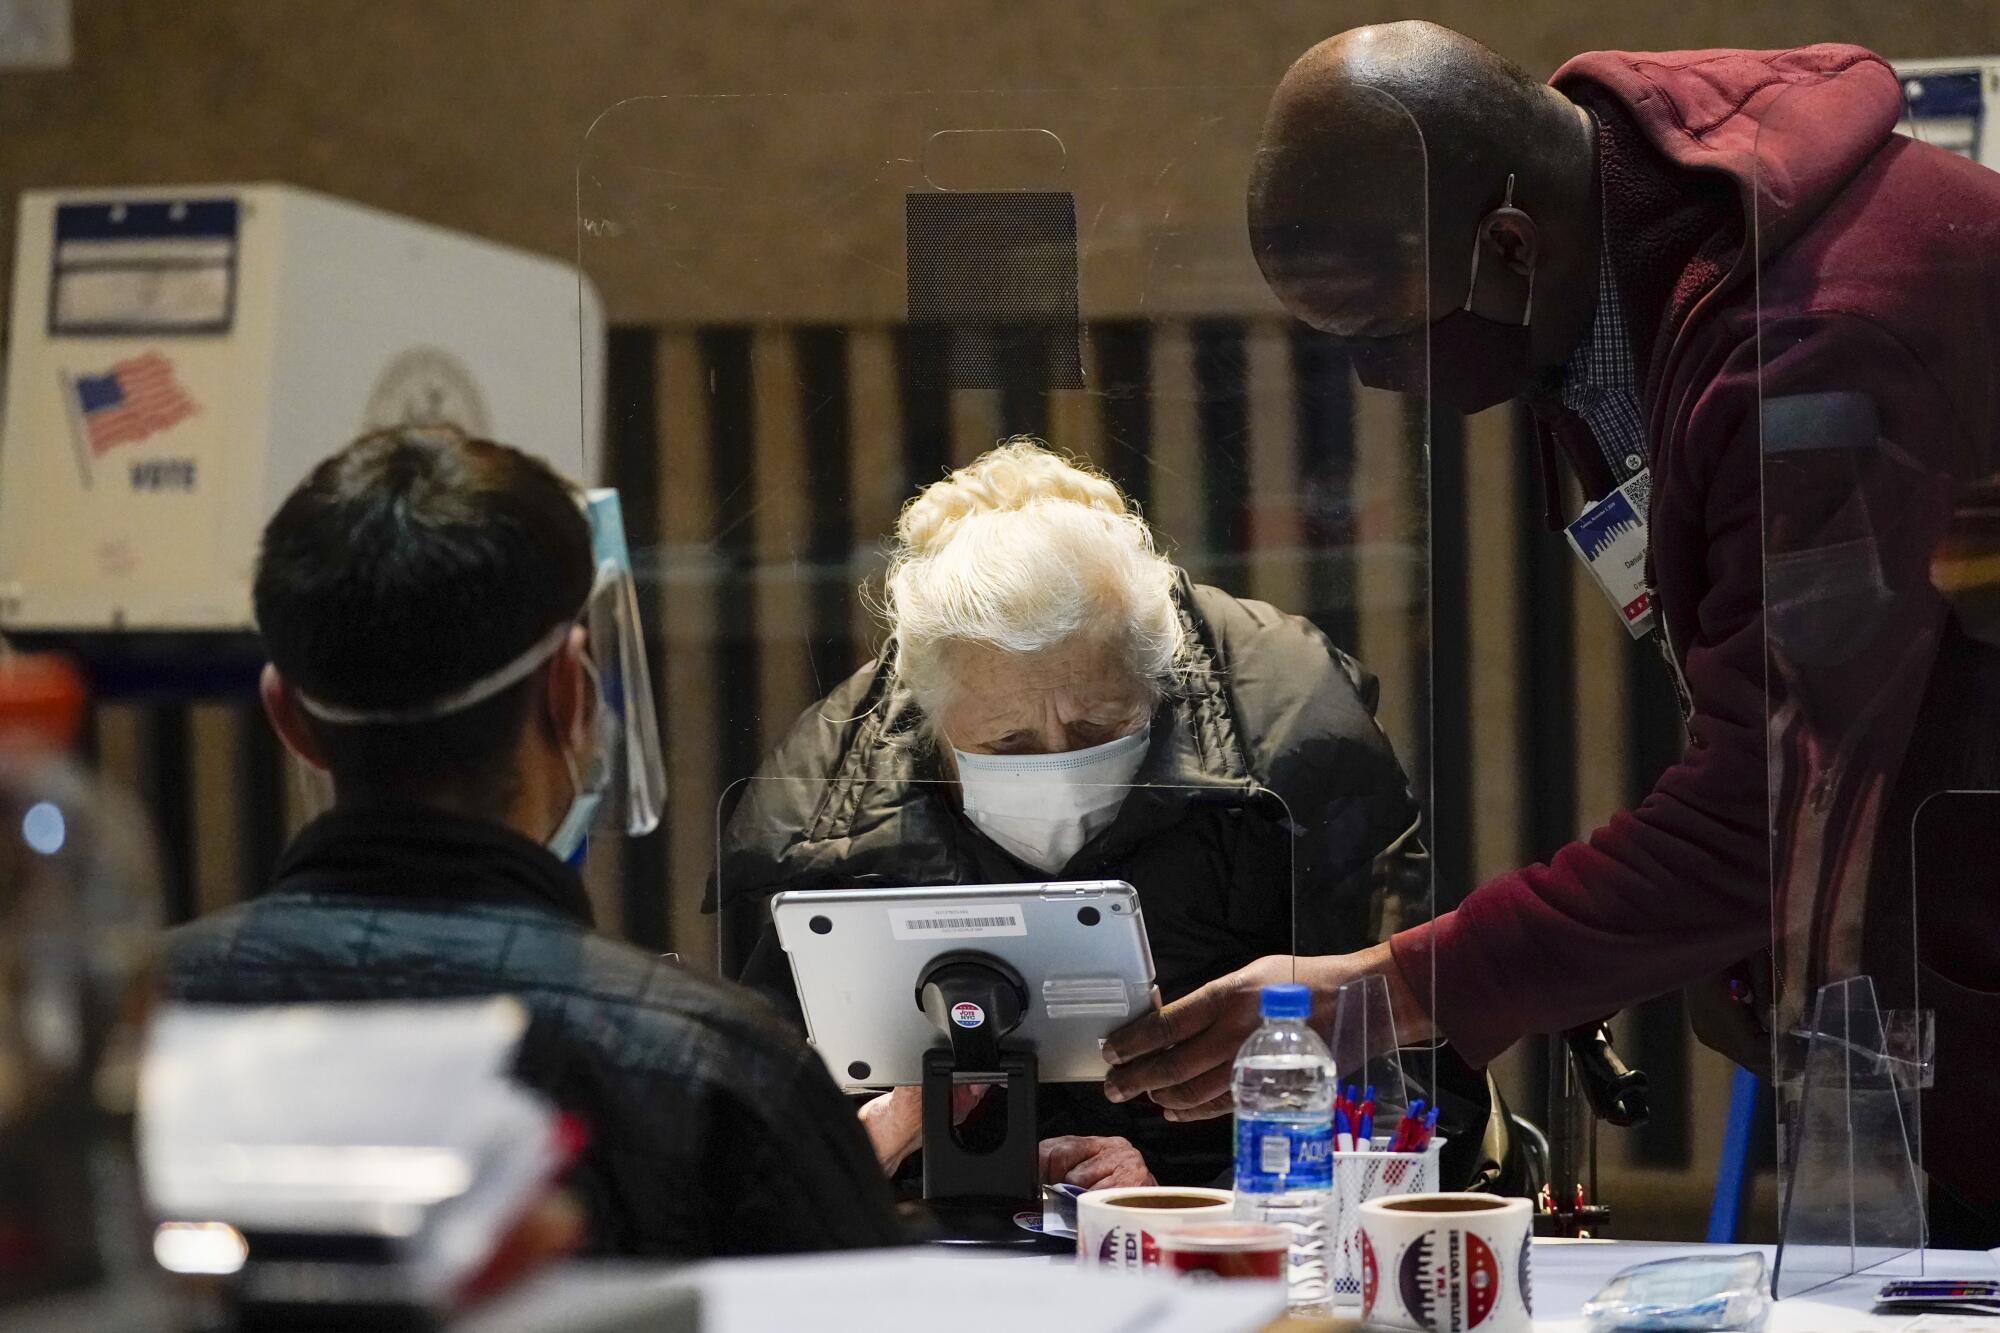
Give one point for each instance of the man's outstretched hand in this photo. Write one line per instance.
(1182, 1055)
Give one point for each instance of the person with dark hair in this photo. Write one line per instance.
(422, 598)
(1757, 324)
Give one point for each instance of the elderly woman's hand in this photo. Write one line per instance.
(895, 1120)
(1093, 1163)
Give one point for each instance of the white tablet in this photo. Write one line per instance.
(857, 955)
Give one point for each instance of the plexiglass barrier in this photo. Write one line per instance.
(846, 329)
(1876, 439)
(848, 324)
(1852, 1199)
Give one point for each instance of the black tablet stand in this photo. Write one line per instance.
(977, 1000)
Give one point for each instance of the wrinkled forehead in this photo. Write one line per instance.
(1082, 664)
(1082, 676)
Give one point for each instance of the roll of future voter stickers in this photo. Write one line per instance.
(1447, 1263)
(1121, 1228)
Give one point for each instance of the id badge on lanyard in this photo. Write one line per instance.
(1610, 539)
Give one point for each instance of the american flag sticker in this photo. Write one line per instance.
(131, 402)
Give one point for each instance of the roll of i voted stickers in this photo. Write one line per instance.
(1447, 1263)
(1122, 1228)
(967, 1014)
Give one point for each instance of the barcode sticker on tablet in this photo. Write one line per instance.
(951, 923)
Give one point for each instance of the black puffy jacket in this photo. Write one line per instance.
(713, 1129)
(1266, 797)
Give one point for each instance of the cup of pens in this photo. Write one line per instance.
(1370, 1165)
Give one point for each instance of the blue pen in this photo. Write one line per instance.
(1343, 1136)
(1430, 1127)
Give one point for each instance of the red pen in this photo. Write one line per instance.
(1411, 1125)
(1419, 1137)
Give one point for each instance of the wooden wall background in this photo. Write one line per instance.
(470, 113)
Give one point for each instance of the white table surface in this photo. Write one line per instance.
(1567, 1273)
(846, 1293)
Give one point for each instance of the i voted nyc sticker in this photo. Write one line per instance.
(967, 1014)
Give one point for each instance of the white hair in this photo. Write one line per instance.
(1022, 550)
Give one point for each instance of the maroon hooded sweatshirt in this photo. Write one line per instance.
(1730, 176)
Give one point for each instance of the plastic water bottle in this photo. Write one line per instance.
(78, 881)
(1284, 1084)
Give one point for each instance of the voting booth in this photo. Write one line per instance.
(180, 357)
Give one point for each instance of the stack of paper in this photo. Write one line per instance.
(379, 1150)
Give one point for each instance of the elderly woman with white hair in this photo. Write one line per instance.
(1209, 750)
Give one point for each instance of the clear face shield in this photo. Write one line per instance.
(634, 772)
(619, 781)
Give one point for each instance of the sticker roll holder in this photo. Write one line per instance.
(976, 1000)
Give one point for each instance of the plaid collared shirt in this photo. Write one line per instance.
(1600, 381)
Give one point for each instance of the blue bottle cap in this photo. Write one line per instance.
(1287, 1001)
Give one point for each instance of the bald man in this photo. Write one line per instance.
(1597, 247)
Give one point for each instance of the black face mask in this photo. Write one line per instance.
(1473, 362)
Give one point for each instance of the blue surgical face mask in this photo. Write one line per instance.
(587, 781)
(572, 837)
